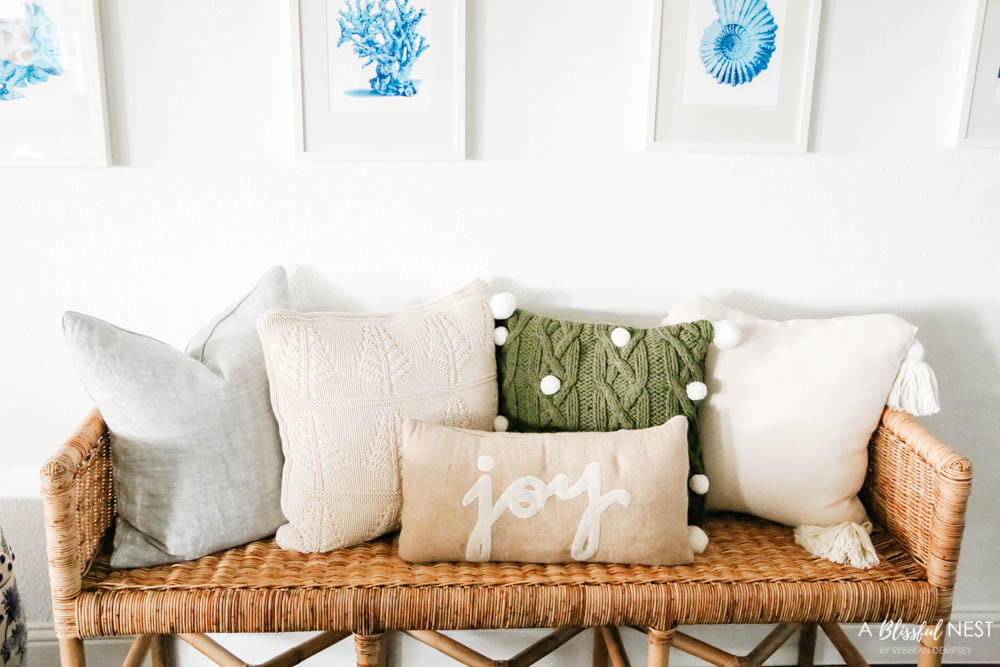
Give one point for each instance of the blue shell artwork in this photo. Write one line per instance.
(384, 33)
(738, 45)
(29, 51)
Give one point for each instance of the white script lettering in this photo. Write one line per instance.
(526, 497)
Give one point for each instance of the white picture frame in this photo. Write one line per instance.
(684, 113)
(334, 121)
(979, 111)
(63, 119)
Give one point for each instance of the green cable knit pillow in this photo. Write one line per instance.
(560, 375)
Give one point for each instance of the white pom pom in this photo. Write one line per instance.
(549, 385)
(698, 539)
(698, 484)
(696, 391)
(916, 351)
(665, 322)
(500, 335)
(500, 424)
(727, 334)
(620, 336)
(502, 305)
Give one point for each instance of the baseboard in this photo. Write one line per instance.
(985, 649)
(43, 648)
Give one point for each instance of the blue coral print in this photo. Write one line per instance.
(738, 45)
(29, 51)
(384, 33)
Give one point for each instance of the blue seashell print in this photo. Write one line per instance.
(738, 45)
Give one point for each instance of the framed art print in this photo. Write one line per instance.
(731, 75)
(379, 79)
(979, 119)
(52, 104)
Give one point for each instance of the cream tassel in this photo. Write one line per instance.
(915, 389)
(846, 543)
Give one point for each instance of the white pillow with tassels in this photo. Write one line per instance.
(789, 414)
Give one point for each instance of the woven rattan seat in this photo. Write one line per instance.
(742, 549)
(751, 572)
(745, 557)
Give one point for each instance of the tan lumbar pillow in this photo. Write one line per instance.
(341, 386)
(618, 497)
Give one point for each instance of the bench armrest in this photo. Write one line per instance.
(918, 487)
(79, 504)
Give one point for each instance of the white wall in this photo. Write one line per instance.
(554, 202)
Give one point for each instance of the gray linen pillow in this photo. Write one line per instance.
(195, 447)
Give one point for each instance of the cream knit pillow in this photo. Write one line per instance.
(341, 385)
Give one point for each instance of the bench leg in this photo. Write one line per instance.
(930, 647)
(616, 650)
(71, 652)
(848, 651)
(807, 644)
(659, 647)
(600, 649)
(368, 649)
(157, 651)
(136, 654)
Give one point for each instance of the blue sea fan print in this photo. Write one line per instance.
(29, 51)
(738, 45)
(384, 33)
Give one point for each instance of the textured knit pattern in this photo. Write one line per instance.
(603, 387)
(341, 385)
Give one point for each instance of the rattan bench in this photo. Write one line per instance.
(752, 572)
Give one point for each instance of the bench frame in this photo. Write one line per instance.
(916, 487)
